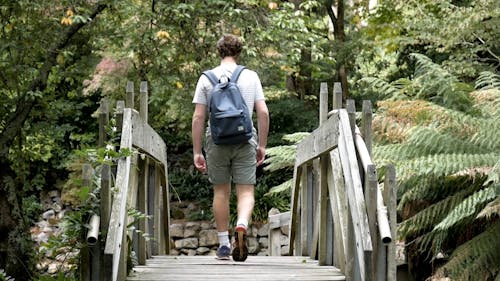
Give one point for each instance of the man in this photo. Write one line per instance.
(236, 163)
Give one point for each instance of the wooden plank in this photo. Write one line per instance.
(371, 187)
(143, 90)
(166, 209)
(336, 191)
(390, 200)
(321, 140)
(142, 207)
(315, 207)
(254, 268)
(297, 172)
(323, 233)
(129, 101)
(114, 246)
(148, 140)
(365, 159)
(274, 233)
(366, 124)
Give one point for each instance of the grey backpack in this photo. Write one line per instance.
(230, 121)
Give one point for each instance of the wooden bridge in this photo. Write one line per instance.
(341, 220)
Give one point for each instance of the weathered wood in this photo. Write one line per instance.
(129, 101)
(103, 121)
(366, 124)
(371, 188)
(351, 112)
(114, 242)
(144, 101)
(322, 140)
(297, 173)
(365, 160)
(303, 249)
(105, 201)
(390, 200)
(254, 268)
(142, 200)
(337, 95)
(120, 105)
(316, 209)
(323, 185)
(165, 226)
(274, 233)
(148, 140)
(355, 196)
(85, 258)
(336, 191)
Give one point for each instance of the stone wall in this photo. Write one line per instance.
(200, 238)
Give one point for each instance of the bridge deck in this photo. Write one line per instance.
(207, 268)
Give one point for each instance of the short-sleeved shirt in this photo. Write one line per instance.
(248, 82)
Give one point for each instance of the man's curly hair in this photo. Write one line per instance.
(229, 46)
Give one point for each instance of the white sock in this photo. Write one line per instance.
(224, 239)
(242, 221)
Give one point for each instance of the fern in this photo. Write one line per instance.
(488, 80)
(280, 157)
(442, 164)
(477, 257)
(287, 185)
(390, 91)
(467, 208)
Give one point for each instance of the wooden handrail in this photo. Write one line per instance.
(346, 202)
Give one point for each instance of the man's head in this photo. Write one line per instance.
(229, 46)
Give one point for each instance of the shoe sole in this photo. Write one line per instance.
(240, 253)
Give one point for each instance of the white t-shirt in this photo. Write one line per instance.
(248, 82)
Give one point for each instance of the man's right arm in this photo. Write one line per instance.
(197, 129)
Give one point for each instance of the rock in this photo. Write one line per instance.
(264, 230)
(189, 243)
(177, 230)
(253, 245)
(191, 229)
(284, 250)
(49, 214)
(264, 242)
(202, 250)
(208, 238)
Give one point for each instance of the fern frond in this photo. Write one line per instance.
(467, 208)
(280, 157)
(425, 220)
(443, 164)
(432, 188)
(478, 257)
(491, 210)
(487, 102)
(280, 188)
(295, 138)
(488, 80)
(385, 90)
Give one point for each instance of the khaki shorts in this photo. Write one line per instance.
(226, 163)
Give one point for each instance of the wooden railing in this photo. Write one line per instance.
(338, 213)
(141, 184)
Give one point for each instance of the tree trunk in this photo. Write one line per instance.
(339, 34)
(15, 239)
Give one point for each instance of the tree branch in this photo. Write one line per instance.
(24, 106)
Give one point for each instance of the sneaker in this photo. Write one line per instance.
(223, 253)
(240, 249)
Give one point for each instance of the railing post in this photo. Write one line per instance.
(324, 248)
(337, 95)
(144, 101)
(129, 101)
(390, 197)
(366, 124)
(85, 259)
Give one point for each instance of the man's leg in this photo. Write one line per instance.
(222, 193)
(246, 201)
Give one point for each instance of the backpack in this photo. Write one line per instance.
(230, 121)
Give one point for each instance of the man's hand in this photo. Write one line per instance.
(261, 155)
(200, 163)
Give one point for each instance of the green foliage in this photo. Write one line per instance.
(4, 276)
(488, 80)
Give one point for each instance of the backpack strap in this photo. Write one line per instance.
(236, 73)
(211, 76)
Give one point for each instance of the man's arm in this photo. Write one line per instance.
(197, 129)
(262, 129)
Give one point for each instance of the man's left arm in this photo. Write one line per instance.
(262, 129)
